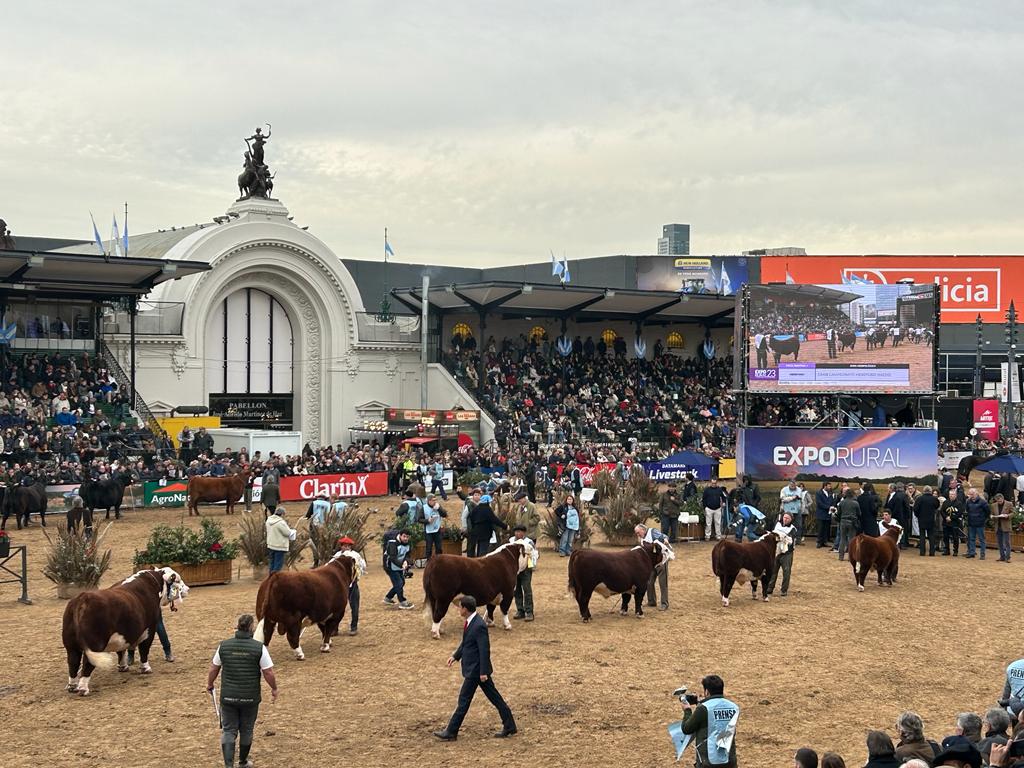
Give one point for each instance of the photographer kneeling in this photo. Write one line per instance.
(712, 723)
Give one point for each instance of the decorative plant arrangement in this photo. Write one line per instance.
(200, 557)
(73, 562)
(252, 543)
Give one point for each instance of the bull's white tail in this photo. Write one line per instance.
(257, 634)
(856, 567)
(102, 661)
(428, 608)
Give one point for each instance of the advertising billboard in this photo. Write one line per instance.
(722, 275)
(840, 338)
(986, 419)
(293, 488)
(815, 455)
(967, 285)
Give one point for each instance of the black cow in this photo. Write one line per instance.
(780, 347)
(23, 500)
(105, 494)
(847, 339)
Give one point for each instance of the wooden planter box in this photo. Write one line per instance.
(204, 574)
(1016, 539)
(419, 552)
(67, 591)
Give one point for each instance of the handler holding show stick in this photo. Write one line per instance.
(243, 659)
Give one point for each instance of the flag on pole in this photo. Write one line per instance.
(96, 235)
(565, 270)
(116, 238)
(556, 266)
(724, 284)
(387, 250)
(124, 235)
(789, 279)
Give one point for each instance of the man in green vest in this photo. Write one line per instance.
(712, 724)
(242, 660)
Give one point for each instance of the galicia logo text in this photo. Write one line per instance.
(826, 456)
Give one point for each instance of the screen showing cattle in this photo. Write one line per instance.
(840, 338)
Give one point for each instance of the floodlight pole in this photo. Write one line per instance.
(133, 309)
(1011, 358)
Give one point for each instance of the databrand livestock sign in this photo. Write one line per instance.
(967, 285)
(816, 455)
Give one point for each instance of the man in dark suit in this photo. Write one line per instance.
(475, 654)
(824, 505)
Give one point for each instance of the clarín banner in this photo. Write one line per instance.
(174, 493)
(815, 455)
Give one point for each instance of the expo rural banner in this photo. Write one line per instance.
(968, 285)
(293, 488)
(815, 455)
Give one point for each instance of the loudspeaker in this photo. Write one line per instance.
(955, 416)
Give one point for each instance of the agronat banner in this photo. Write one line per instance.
(293, 488)
(968, 285)
(816, 455)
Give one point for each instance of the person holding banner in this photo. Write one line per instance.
(712, 723)
(243, 660)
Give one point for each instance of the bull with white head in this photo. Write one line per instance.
(115, 620)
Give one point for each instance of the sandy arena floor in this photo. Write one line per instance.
(818, 668)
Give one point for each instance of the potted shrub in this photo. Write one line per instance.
(252, 543)
(75, 563)
(622, 514)
(201, 557)
(323, 539)
(471, 477)
(5, 543)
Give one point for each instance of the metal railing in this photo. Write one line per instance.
(154, 318)
(405, 330)
(124, 381)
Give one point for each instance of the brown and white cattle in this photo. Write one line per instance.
(490, 579)
(615, 573)
(212, 489)
(290, 601)
(881, 553)
(114, 620)
(733, 561)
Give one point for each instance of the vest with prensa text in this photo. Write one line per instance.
(721, 715)
(1015, 677)
(240, 669)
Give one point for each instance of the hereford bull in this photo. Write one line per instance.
(784, 345)
(290, 601)
(490, 579)
(879, 552)
(212, 489)
(22, 501)
(105, 494)
(732, 561)
(615, 573)
(114, 620)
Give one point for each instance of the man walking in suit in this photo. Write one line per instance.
(475, 654)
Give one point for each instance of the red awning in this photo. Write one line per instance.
(419, 440)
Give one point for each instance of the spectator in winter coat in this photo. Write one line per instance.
(482, 522)
(824, 505)
(714, 500)
(868, 501)
(926, 508)
(977, 514)
(849, 520)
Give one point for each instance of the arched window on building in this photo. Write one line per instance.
(538, 333)
(462, 330)
(609, 336)
(674, 340)
(249, 345)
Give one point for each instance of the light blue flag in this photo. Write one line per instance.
(124, 235)
(388, 251)
(556, 266)
(565, 270)
(116, 238)
(789, 278)
(680, 740)
(725, 284)
(96, 235)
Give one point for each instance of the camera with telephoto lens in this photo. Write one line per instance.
(683, 696)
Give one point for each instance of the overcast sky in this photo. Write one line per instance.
(487, 132)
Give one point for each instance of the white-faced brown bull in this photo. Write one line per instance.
(881, 553)
(732, 561)
(623, 573)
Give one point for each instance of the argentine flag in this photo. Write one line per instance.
(96, 235)
(565, 270)
(556, 266)
(724, 283)
(388, 251)
(116, 244)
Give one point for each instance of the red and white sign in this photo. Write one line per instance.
(968, 285)
(986, 419)
(302, 487)
(587, 471)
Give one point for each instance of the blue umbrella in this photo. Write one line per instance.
(1003, 464)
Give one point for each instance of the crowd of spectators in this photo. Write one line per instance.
(598, 395)
(975, 742)
(776, 318)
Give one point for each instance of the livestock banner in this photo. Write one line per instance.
(967, 285)
(986, 419)
(816, 455)
(672, 468)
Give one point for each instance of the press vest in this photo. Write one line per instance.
(240, 669)
(320, 508)
(721, 712)
(1015, 677)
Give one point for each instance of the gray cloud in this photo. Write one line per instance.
(492, 132)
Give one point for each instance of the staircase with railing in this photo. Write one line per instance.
(124, 381)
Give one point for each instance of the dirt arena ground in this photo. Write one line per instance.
(819, 668)
(919, 356)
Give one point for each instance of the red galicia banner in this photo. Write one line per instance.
(587, 471)
(986, 419)
(967, 285)
(303, 487)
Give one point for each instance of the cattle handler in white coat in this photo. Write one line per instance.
(660, 575)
